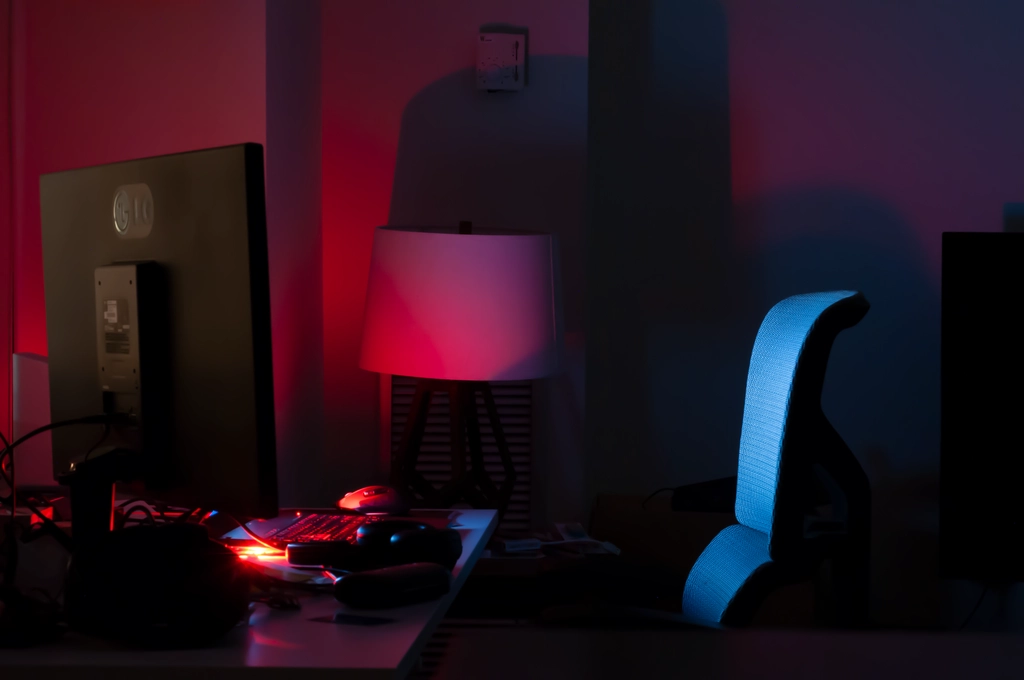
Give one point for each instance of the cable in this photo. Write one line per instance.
(139, 508)
(7, 463)
(156, 510)
(156, 513)
(103, 438)
(58, 534)
(102, 419)
(256, 537)
(974, 611)
(137, 505)
(259, 539)
(3, 467)
(7, 454)
(643, 506)
(161, 511)
(11, 545)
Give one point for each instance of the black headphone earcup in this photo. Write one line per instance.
(373, 540)
(379, 534)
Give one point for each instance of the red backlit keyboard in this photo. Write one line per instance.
(315, 528)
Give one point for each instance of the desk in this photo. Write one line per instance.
(275, 644)
(555, 654)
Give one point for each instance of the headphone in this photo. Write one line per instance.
(382, 544)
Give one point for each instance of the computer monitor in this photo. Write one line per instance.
(981, 517)
(158, 306)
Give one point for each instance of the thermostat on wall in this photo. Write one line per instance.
(501, 61)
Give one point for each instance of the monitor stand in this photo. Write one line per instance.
(91, 483)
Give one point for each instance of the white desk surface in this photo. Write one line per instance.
(285, 644)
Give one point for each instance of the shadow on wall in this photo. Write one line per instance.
(882, 387)
(668, 292)
(679, 280)
(514, 160)
(881, 392)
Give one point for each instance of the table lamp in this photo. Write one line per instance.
(457, 308)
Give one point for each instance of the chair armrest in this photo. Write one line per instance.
(672, 619)
(716, 495)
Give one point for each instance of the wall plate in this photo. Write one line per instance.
(501, 61)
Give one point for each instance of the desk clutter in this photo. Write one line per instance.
(568, 537)
(168, 577)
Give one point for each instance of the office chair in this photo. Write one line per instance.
(788, 447)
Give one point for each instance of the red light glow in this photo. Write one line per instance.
(45, 510)
(257, 551)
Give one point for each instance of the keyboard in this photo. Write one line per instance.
(316, 528)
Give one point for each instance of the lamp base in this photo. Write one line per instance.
(472, 484)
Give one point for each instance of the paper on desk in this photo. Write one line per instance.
(277, 567)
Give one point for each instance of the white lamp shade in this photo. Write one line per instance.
(480, 306)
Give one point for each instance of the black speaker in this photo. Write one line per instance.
(164, 586)
(981, 520)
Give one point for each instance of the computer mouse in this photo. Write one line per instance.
(369, 499)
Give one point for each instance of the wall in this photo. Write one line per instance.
(203, 74)
(200, 74)
(293, 152)
(178, 76)
(409, 140)
(743, 152)
(182, 76)
(6, 223)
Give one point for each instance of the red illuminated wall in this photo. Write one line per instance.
(192, 74)
(377, 58)
(6, 228)
(109, 80)
(97, 82)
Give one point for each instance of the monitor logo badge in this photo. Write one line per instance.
(133, 211)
